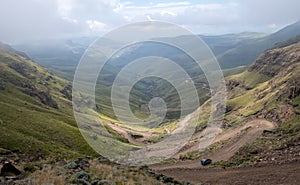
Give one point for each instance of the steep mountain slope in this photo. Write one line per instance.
(35, 110)
(270, 87)
(275, 96)
(39, 134)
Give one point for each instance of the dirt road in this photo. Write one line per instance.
(255, 127)
(241, 136)
(193, 172)
(125, 132)
(287, 174)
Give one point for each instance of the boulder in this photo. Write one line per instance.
(79, 163)
(9, 169)
(83, 175)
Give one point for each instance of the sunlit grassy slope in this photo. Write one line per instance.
(36, 117)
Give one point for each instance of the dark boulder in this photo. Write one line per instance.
(9, 169)
(79, 163)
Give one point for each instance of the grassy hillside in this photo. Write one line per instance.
(270, 87)
(35, 110)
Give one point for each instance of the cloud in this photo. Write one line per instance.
(96, 25)
(100, 10)
(186, 14)
(25, 20)
(40, 19)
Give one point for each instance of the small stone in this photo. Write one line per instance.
(83, 175)
(83, 182)
(23, 182)
(82, 163)
(71, 165)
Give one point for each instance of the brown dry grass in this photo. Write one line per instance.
(48, 176)
(121, 175)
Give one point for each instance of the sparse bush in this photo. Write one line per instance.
(29, 168)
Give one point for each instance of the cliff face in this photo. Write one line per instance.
(282, 65)
(270, 88)
(278, 60)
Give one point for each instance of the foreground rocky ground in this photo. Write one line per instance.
(80, 171)
(98, 171)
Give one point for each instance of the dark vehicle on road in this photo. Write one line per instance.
(206, 162)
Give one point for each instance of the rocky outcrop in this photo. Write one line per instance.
(67, 91)
(273, 61)
(280, 114)
(231, 84)
(24, 70)
(43, 96)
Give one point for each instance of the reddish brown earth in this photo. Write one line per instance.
(288, 174)
(265, 174)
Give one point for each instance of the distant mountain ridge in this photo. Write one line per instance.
(249, 51)
(231, 50)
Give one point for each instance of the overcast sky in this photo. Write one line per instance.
(25, 20)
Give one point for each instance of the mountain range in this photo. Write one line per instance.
(36, 115)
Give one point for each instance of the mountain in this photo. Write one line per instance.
(271, 83)
(60, 56)
(36, 115)
(232, 50)
(247, 52)
(268, 90)
(40, 136)
(222, 43)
